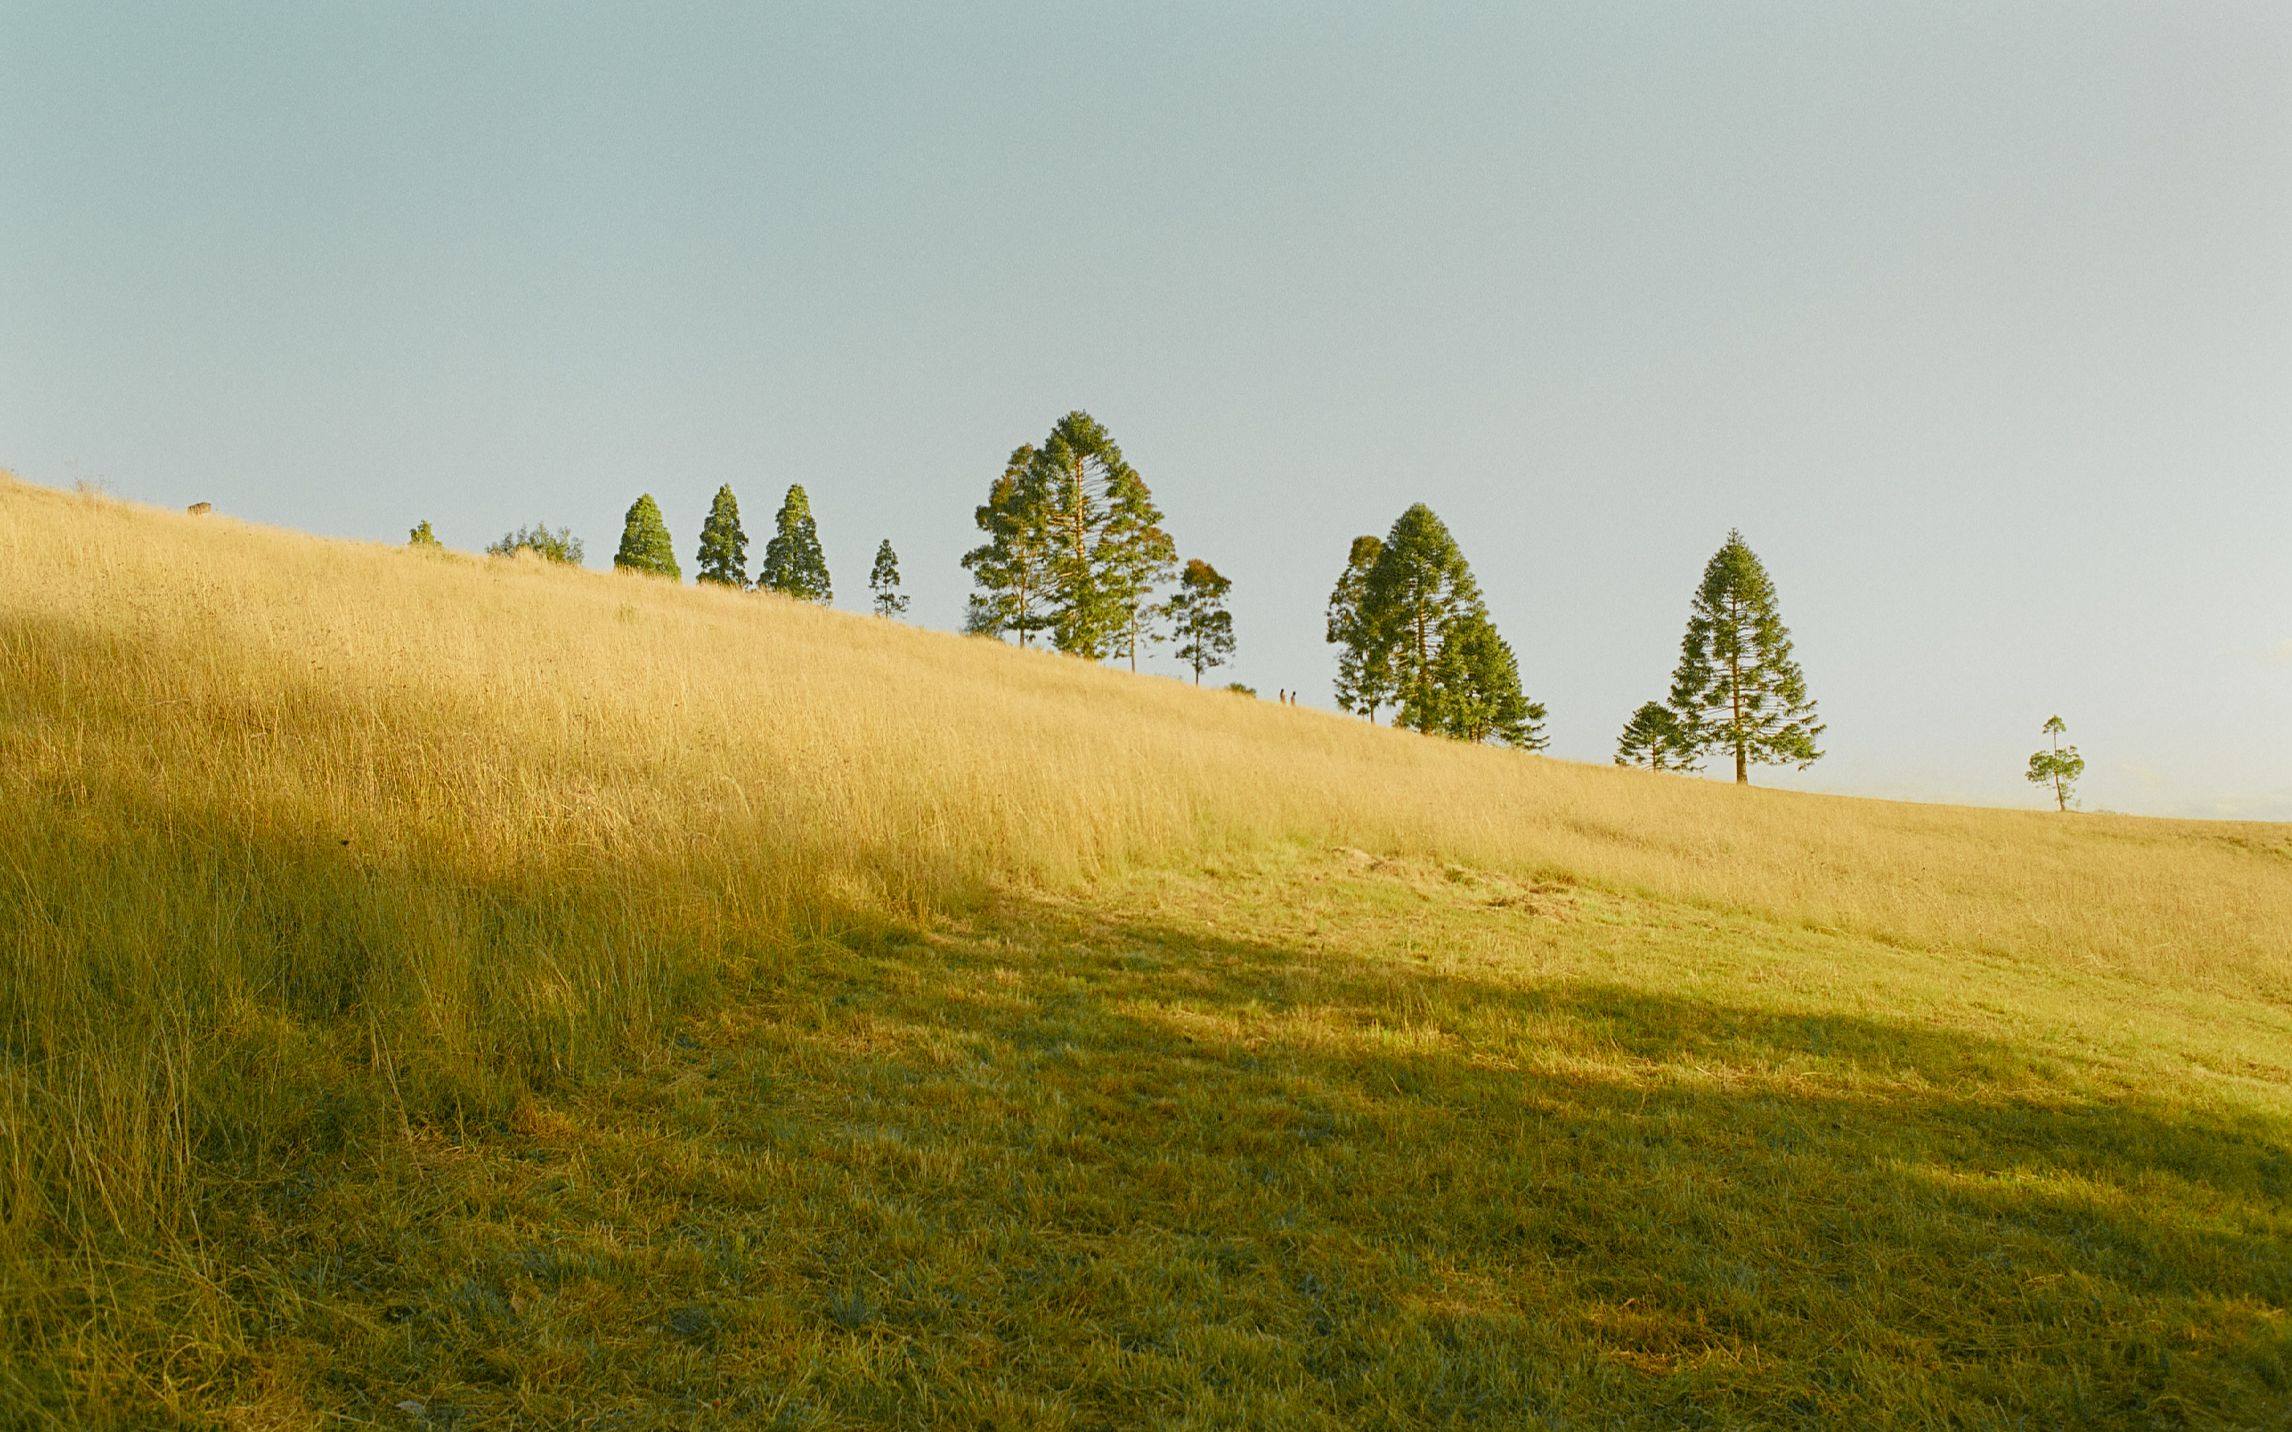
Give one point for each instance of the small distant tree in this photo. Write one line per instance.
(1203, 626)
(794, 565)
(890, 601)
(645, 545)
(723, 555)
(422, 536)
(558, 546)
(1737, 689)
(1239, 689)
(2057, 766)
(1652, 738)
(1364, 654)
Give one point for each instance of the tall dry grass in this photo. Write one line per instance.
(301, 839)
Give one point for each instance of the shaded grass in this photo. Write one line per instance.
(1461, 1161)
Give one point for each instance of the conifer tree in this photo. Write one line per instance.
(883, 580)
(793, 562)
(1013, 566)
(1738, 690)
(1133, 557)
(1475, 687)
(723, 555)
(2058, 766)
(645, 545)
(1203, 626)
(1652, 738)
(1078, 464)
(422, 536)
(1364, 667)
(1419, 585)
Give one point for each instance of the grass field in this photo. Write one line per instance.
(446, 992)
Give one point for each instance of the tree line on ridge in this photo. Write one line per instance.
(1074, 557)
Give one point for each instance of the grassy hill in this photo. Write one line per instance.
(444, 992)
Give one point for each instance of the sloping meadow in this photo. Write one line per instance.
(306, 844)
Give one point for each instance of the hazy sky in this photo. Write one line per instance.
(1976, 319)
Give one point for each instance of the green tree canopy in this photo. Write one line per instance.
(2057, 766)
(883, 581)
(794, 565)
(1475, 687)
(422, 536)
(558, 546)
(723, 555)
(1075, 547)
(645, 545)
(1364, 656)
(1204, 628)
(1737, 689)
(1652, 738)
(1013, 566)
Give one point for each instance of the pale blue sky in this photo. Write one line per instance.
(1977, 319)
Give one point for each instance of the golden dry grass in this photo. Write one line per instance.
(312, 848)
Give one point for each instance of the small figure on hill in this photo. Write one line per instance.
(558, 546)
(1738, 690)
(723, 555)
(1652, 738)
(883, 580)
(1203, 626)
(422, 536)
(794, 565)
(2057, 766)
(645, 544)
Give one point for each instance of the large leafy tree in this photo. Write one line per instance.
(1475, 687)
(1418, 587)
(1364, 665)
(883, 581)
(2057, 766)
(723, 556)
(1738, 691)
(1652, 738)
(558, 546)
(794, 565)
(1075, 547)
(645, 545)
(1013, 566)
(1203, 626)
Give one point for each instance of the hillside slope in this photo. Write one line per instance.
(443, 991)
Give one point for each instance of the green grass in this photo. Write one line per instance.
(1311, 1140)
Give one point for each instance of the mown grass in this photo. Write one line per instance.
(454, 993)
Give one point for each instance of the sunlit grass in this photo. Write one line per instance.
(544, 996)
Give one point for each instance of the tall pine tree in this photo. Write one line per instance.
(1203, 626)
(723, 556)
(1652, 738)
(1419, 585)
(1133, 557)
(883, 581)
(1013, 566)
(2057, 766)
(1078, 464)
(1737, 690)
(1364, 665)
(793, 563)
(645, 545)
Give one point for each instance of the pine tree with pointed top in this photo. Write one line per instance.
(1652, 738)
(645, 545)
(1077, 465)
(1133, 556)
(1418, 586)
(1476, 692)
(1738, 691)
(2057, 766)
(883, 581)
(1364, 666)
(1201, 623)
(794, 565)
(723, 555)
